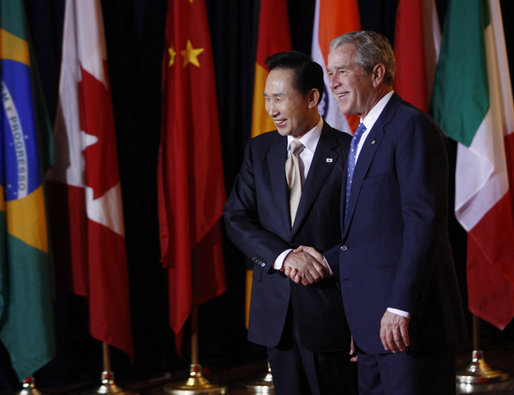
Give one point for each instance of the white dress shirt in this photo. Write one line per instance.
(310, 141)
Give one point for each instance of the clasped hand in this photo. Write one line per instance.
(305, 266)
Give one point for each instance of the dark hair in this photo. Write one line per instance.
(371, 48)
(307, 74)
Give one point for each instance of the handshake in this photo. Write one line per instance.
(306, 266)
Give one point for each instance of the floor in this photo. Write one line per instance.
(239, 379)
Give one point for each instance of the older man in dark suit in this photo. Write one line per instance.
(287, 194)
(394, 260)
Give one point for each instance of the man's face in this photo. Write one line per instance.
(350, 84)
(288, 107)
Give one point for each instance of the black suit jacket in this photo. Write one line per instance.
(257, 221)
(395, 249)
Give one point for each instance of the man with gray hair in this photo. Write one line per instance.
(395, 265)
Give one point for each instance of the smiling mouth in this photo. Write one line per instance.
(280, 123)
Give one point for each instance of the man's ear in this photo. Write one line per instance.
(313, 97)
(378, 74)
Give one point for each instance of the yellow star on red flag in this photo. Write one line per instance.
(190, 54)
(172, 54)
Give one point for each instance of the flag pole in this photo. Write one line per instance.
(262, 385)
(108, 385)
(478, 371)
(196, 383)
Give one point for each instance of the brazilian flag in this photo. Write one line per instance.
(26, 272)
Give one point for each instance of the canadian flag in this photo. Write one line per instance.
(86, 214)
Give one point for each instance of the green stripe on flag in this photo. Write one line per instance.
(460, 98)
(12, 25)
(27, 328)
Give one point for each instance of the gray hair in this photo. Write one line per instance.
(371, 48)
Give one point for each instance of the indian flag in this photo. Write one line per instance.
(333, 18)
(472, 102)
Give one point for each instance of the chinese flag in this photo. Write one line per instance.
(191, 191)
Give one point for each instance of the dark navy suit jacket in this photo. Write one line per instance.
(258, 223)
(395, 250)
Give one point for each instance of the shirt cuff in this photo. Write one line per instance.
(279, 262)
(399, 312)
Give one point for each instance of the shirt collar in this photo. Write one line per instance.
(311, 138)
(370, 119)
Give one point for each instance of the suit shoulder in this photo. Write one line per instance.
(337, 136)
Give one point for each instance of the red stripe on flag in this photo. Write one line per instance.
(409, 49)
(109, 313)
(489, 269)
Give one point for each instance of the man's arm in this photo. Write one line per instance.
(244, 228)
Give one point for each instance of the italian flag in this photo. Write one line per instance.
(472, 102)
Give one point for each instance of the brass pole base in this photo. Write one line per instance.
(108, 386)
(263, 385)
(478, 371)
(196, 383)
(29, 387)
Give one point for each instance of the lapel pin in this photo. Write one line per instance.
(328, 160)
(373, 141)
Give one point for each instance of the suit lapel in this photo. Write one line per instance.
(324, 159)
(366, 155)
(276, 158)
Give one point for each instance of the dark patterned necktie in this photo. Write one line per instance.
(352, 160)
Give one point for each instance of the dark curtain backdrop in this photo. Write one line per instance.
(134, 33)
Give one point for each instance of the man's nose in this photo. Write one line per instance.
(272, 109)
(333, 81)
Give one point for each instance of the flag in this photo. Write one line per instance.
(191, 190)
(333, 18)
(26, 272)
(409, 51)
(472, 102)
(273, 36)
(84, 185)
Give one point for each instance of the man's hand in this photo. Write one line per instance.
(312, 251)
(353, 353)
(303, 268)
(394, 332)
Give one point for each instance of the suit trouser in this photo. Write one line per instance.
(298, 371)
(413, 372)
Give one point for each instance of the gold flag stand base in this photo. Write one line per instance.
(109, 386)
(196, 383)
(478, 371)
(29, 387)
(263, 385)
